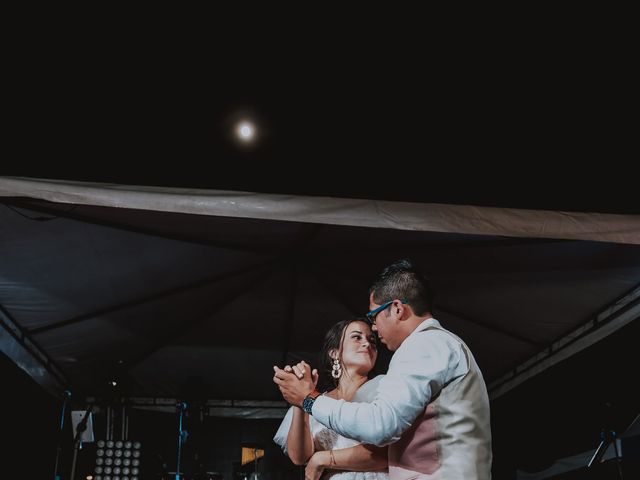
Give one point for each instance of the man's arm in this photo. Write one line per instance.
(419, 369)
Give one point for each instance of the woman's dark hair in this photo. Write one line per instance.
(333, 341)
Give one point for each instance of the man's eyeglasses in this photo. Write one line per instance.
(372, 314)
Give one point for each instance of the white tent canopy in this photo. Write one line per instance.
(168, 287)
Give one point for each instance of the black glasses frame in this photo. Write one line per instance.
(371, 314)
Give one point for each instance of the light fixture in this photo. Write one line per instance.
(119, 460)
(245, 131)
(252, 454)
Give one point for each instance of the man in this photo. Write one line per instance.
(432, 406)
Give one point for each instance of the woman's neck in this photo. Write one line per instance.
(348, 385)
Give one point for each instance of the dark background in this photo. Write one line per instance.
(537, 120)
(543, 126)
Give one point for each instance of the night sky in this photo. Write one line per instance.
(528, 131)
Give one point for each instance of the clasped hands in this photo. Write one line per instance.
(294, 382)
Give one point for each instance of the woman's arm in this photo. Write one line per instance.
(361, 458)
(299, 439)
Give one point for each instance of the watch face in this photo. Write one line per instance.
(307, 403)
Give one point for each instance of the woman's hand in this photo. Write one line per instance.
(316, 465)
(300, 369)
(295, 387)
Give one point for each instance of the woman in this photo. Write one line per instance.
(348, 355)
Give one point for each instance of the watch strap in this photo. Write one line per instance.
(307, 403)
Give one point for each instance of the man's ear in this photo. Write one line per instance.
(404, 308)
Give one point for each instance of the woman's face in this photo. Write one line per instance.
(359, 351)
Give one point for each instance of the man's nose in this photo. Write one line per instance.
(374, 328)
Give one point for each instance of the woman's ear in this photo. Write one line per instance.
(333, 353)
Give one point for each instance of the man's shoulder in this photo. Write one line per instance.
(368, 390)
(430, 331)
(427, 339)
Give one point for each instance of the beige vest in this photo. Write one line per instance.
(451, 439)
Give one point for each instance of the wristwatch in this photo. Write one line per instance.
(307, 403)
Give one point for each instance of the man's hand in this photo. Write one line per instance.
(295, 383)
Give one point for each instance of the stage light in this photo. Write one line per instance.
(252, 454)
(119, 460)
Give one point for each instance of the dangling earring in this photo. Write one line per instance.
(336, 369)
